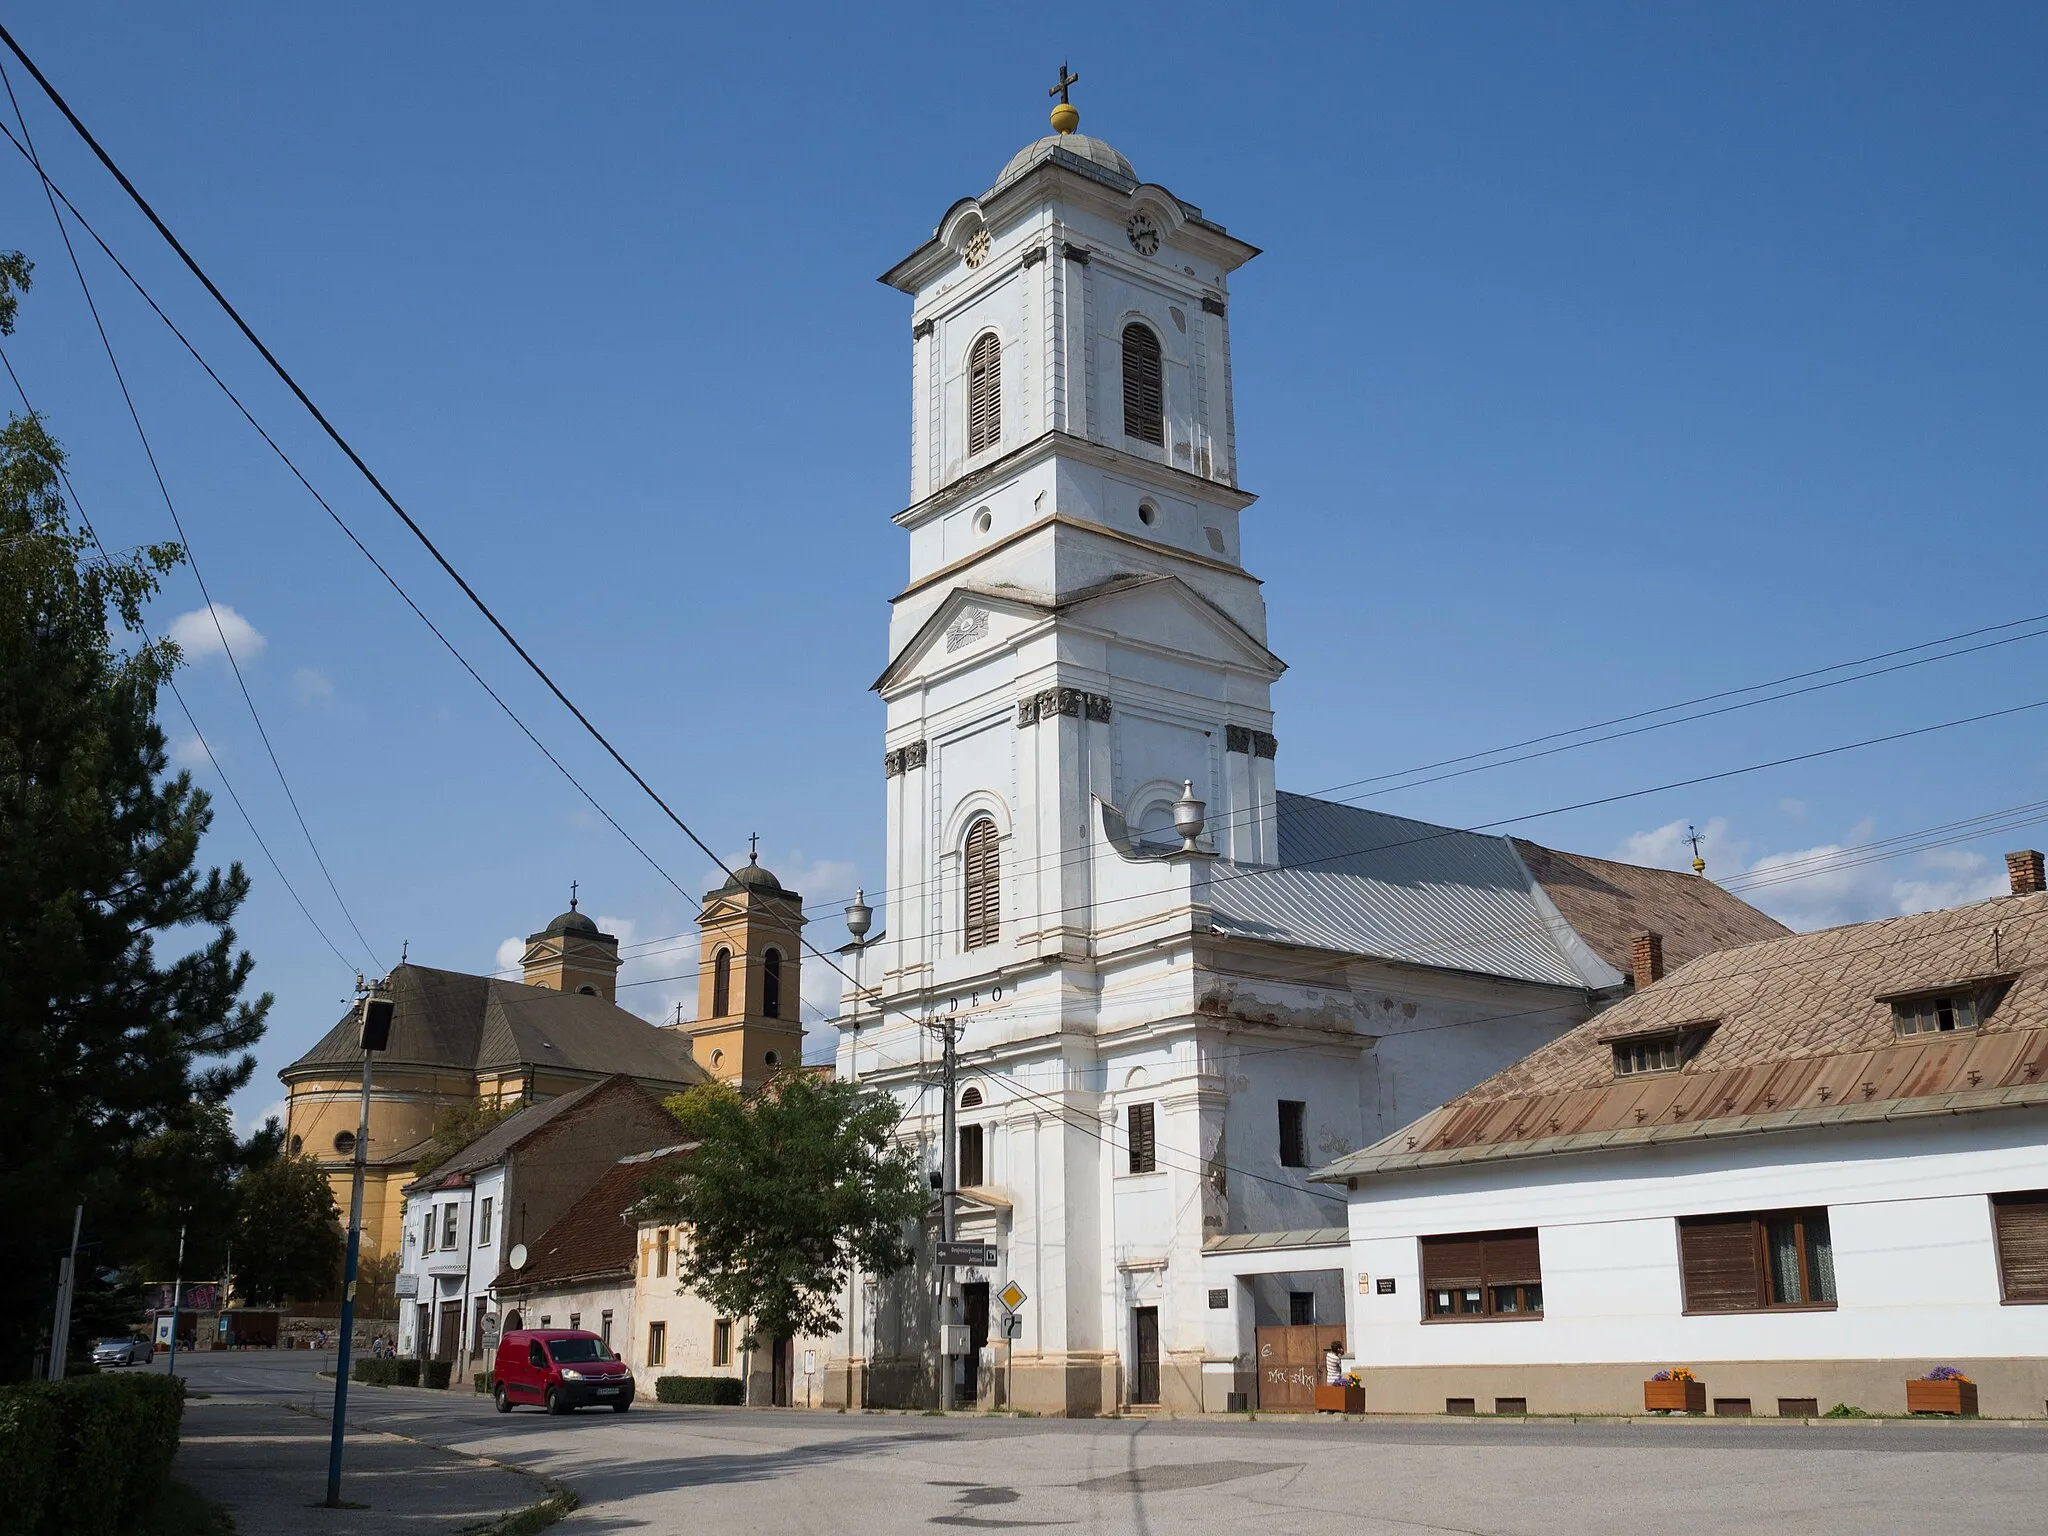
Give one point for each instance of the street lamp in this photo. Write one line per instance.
(859, 918)
(374, 1009)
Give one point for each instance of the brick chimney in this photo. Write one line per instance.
(2025, 869)
(1647, 959)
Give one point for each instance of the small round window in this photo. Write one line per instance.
(983, 521)
(772, 1058)
(1147, 513)
(718, 1058)
(344, 1142)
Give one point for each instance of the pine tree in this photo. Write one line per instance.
(105, 1044)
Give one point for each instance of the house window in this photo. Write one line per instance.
(661, 1253)
(984, 393)
(575, 1319)
(1144, 1147)
(345, 1143)
(771, 984)
(427, 1231)
(1474, 1276)
(1941, 1013)
(1293, 1133)
(971, 1099)
(982, 872)
(1144, 391)
(448, 1225)
(1756, 1260)
(721, 983)
(657, 1343)
(1301, 1308)
(483, 1222)
(970, 1171)
(1664, 1052)
(604, 1328)
(721, 1341)
(2021, 1224)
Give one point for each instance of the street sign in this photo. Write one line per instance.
(966, 1255)
(1011, 1296)
(1013, 1325)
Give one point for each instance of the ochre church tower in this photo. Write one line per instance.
(749, 1001)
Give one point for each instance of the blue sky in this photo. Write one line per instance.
(1600, 357)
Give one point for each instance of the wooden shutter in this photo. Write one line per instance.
(984, 394)
(1144, 1150)
(970, 1169)
(1721, 1263)
(983, 915)
(1453, 1263)
(1144, 387)
(1511, 1258)
(2022, 1224)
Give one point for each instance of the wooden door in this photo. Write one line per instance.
(449, 1340)
(781, 1386)
(974, 1307)
(1145, 1353)
(1290, 1365)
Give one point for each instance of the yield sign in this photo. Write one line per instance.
(1011, 1296)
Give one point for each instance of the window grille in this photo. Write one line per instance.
(1144, 386)
(983, 916)
(984, 394)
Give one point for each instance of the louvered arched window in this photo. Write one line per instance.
(1144, 387)
(721, 984)
(983, 880)
(771, 984)
(984, 393)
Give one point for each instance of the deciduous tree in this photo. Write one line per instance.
(785, 1193)
(288, 1237)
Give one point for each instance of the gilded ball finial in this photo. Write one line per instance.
(1065, 119)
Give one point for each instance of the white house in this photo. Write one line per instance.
(1808, 1169)
(1161, 1035)
(467, 1218)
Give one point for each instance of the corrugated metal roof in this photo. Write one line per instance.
(1365, 883)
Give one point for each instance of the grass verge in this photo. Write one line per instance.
(535, 1517)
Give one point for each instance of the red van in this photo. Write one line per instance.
(559, 1369)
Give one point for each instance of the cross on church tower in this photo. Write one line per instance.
(1065, 118)
(1066, 80)
(572, 895)
(753, 847)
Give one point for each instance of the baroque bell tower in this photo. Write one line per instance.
(749, 996)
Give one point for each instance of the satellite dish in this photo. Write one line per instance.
(517, 1257)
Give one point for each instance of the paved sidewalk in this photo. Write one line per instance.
(268, 1464)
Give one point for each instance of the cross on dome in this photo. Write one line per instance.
(1065, 118)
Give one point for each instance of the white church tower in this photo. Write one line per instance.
(1161, 1035)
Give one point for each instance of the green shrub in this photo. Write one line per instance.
(725, 1391)
(1844, 1411)
(87, 1455)
(436, 1374)
(385, 1372)
(481, 1381)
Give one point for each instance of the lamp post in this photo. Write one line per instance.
(374, 1008)
(859, 918)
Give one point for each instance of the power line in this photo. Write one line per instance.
(71, 491)
(284, 458)
(192, 555)
(370, 475)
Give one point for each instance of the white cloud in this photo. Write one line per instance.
(309, 685)
(1796, 809)
(509, 953)
(1824, 885)
(247, 1124)
(186, 751)
(199, 639)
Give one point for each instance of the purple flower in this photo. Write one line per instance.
(1944, 1373)
(1661, 1376)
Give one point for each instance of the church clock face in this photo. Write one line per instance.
(1144, 234)
(977, 248)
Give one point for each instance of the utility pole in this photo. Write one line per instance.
(67, 1287)
(374, 1009)
(177, 1298)
(948, 1031)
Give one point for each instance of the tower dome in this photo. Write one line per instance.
(1091, 156)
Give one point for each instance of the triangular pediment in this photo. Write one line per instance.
(1163, 612)
(969, 619)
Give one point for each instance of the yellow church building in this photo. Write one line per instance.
(458, 1038)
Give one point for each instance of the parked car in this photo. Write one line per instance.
(121, 1351)
(559, 1369)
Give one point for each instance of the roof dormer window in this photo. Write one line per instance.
(1962, 1005)
(1657, 1050)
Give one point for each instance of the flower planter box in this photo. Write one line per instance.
(1344, 1398)
(1675, 1396)
(1958, 1397)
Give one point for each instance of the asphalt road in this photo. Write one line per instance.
(739, 1470)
